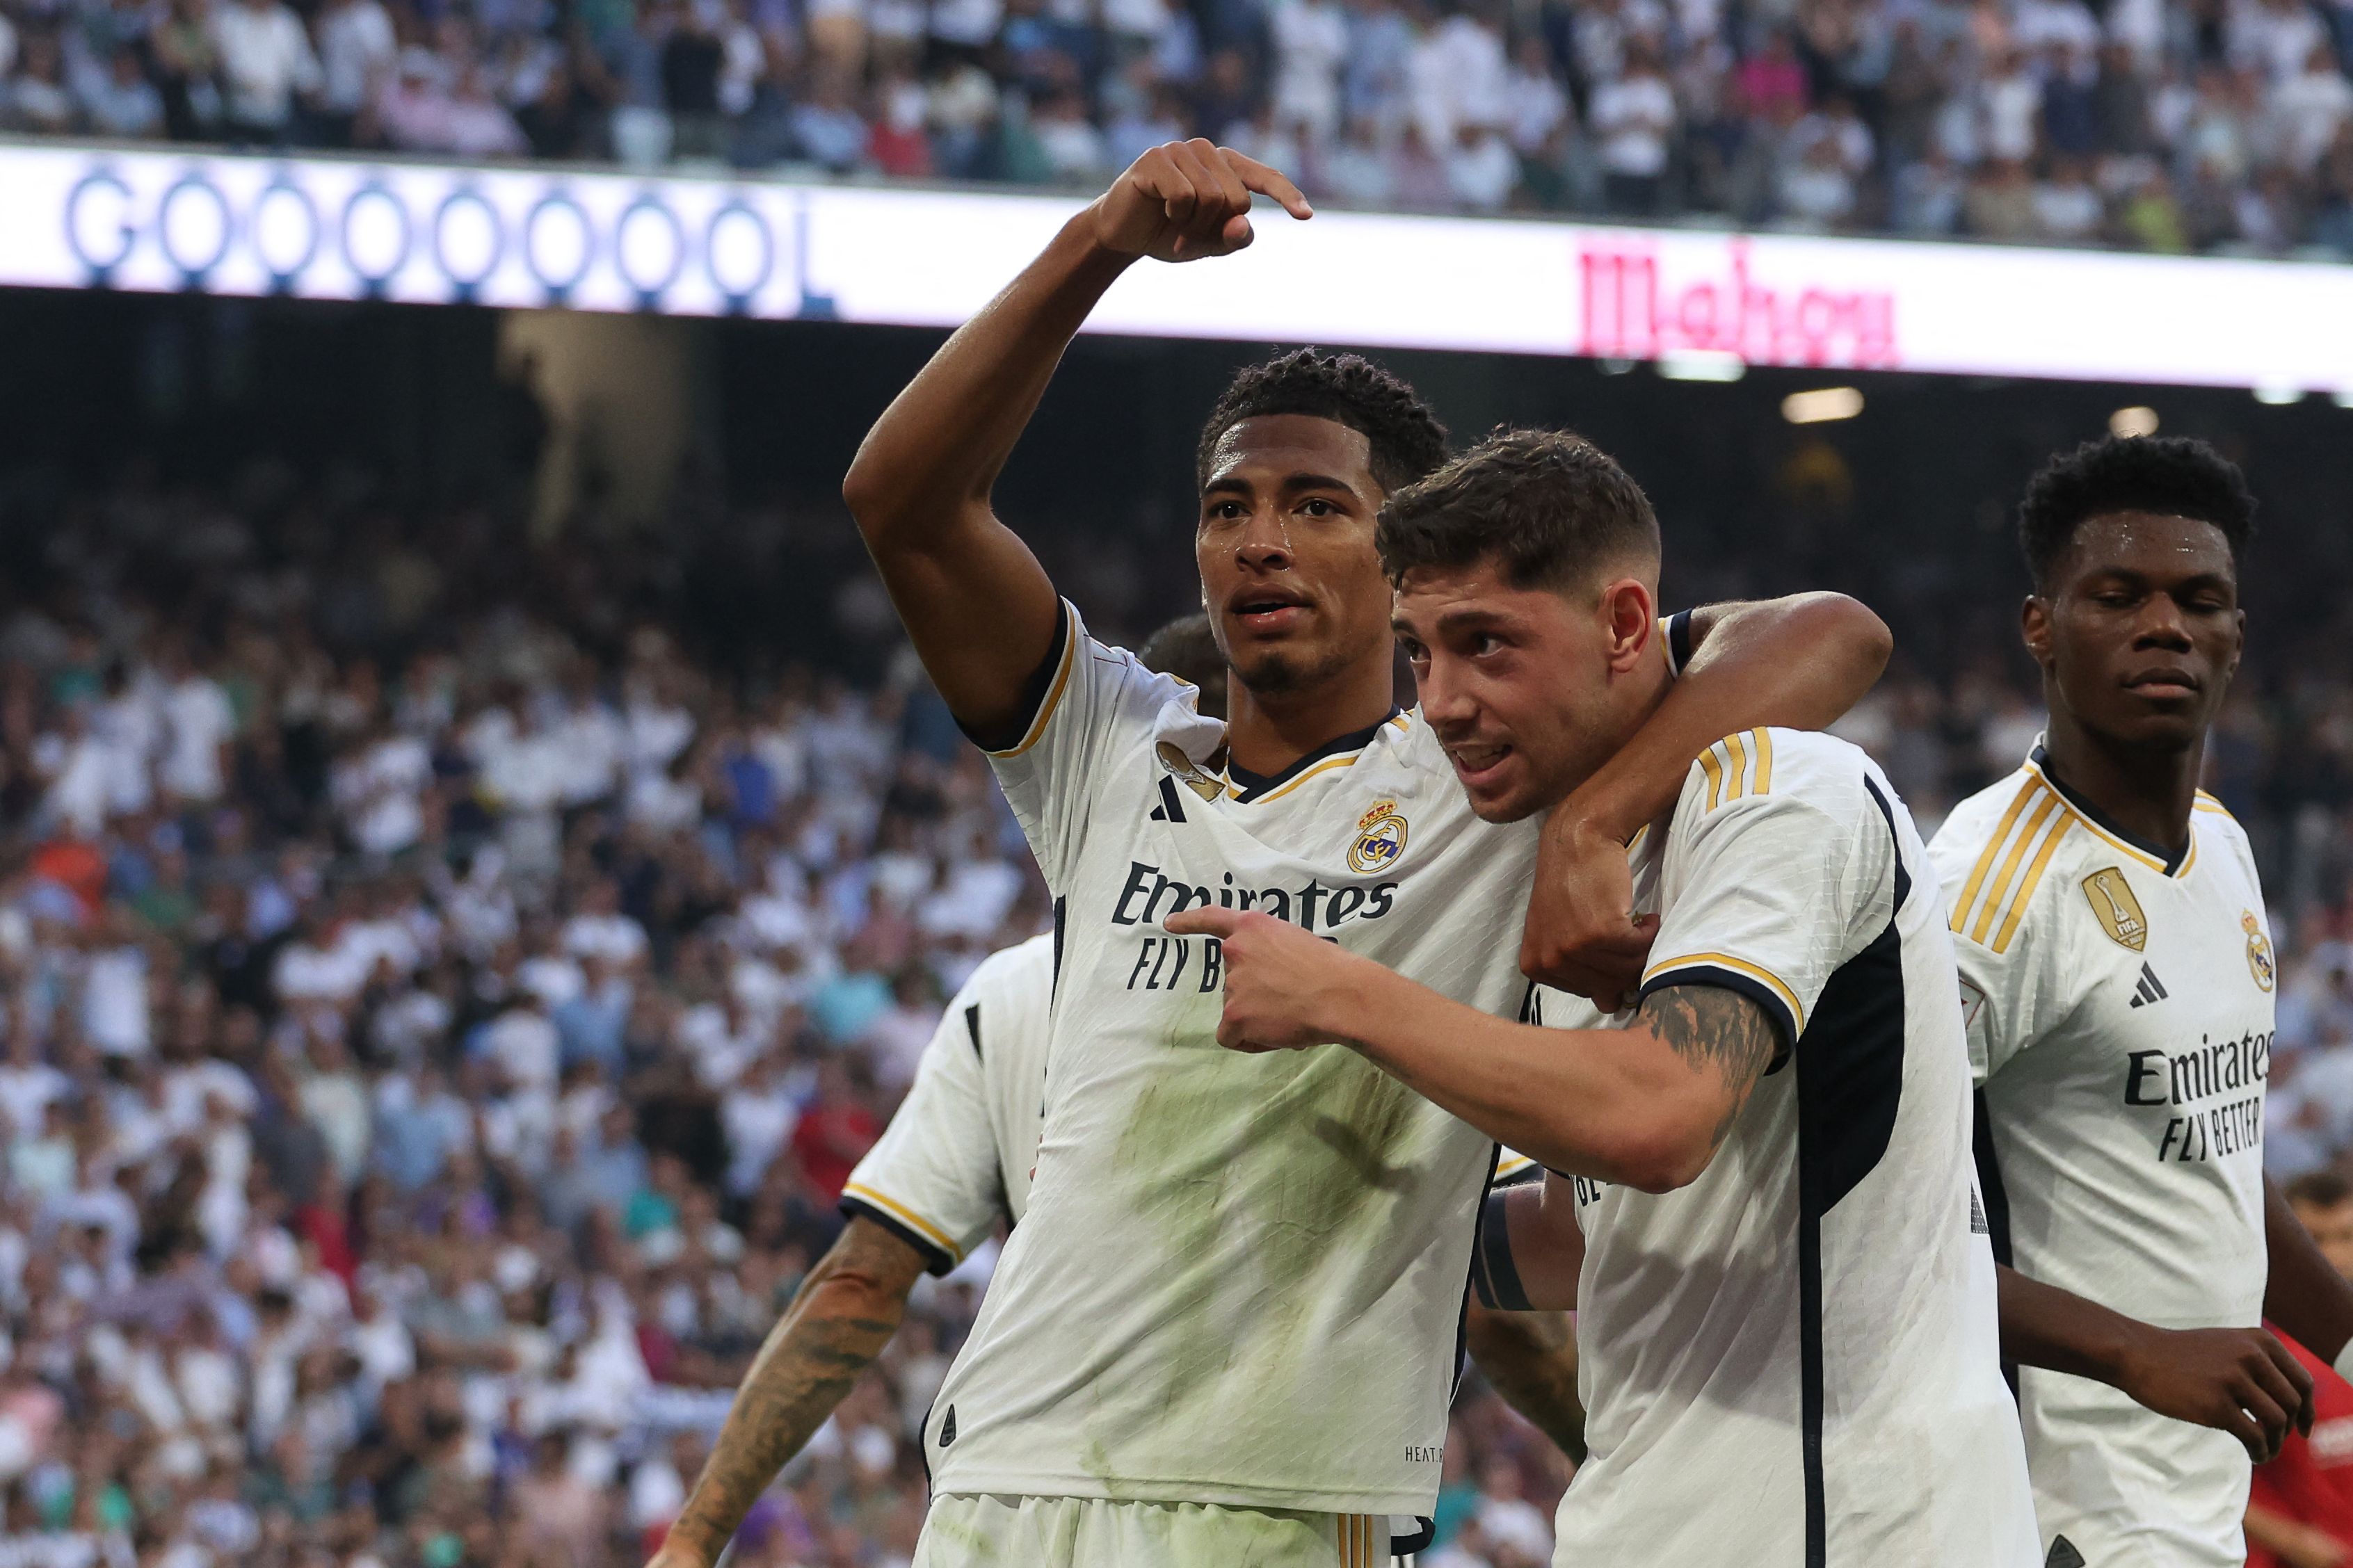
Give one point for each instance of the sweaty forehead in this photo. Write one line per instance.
(2150, 544)
(1265, 448)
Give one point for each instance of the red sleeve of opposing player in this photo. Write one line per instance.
(2312, 1480)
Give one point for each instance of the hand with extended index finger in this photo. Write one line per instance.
(1283, 986)
(1184, 200)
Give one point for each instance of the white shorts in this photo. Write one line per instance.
(1087, 1533)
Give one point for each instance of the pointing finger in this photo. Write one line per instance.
(1268, 181)
(1206, 920)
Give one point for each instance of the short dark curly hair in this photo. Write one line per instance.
(1548, 506)
(1407, 439)
(2171, 476)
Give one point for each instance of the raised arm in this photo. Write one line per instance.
(1797, 663)
(978, 607)
(840, 1319)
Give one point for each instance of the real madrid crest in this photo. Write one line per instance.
(1380, 838)
(2258, 950)
(1172, 757)
(2112, 900)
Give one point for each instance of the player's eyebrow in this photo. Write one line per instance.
(2134, 578)
(1469, 617)
(1225, 484)
(1296, 482)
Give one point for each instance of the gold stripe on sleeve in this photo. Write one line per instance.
(900, 1211)
(2025, 894)
(1715, 770)
(1737, 775)
(1764, 761)
(2017, 846)
(1993, 847)
(1772, 981)
(1054, 694)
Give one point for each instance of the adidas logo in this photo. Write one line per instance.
(2150, 990)
(947, 1428)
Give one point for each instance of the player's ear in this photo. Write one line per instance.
(1629, 614)
(2034, 626)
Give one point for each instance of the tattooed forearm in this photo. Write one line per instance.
(1708, 1026)
(845, 1312)
(1530, 1358)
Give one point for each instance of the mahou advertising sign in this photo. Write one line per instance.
(545, 236)
(1635, 308)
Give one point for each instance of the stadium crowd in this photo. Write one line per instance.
(442, 1004)
(2163, 125)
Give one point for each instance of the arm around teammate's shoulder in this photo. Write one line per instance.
(844, 1313)
(1794, 663)
(977, 605)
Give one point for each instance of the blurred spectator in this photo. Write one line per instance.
(1633, 118)
(266, 63)
(356, 51)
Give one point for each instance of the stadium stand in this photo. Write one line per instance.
(2165, 125)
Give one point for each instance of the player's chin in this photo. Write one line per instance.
(1503, 793)
(2161, 725)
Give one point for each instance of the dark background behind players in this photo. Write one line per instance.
(270, 1089)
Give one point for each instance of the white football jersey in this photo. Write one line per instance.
(1241, 1278)
(956, 1156)
(2119, 1005)
(1796, 1359)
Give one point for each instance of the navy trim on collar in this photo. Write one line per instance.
(2171, 859)
(1250, 785)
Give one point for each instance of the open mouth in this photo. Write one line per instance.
(1476, 764)
(1268, 610)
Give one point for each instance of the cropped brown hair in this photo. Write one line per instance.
(1546, 505)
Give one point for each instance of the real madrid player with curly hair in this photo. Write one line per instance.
(2117, 974)
(1226, 1329)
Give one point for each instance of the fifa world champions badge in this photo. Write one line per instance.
(2119, 912)
(1380, 838)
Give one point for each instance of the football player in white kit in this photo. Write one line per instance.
(952, 1165)
(2117, 973)
(1225, 1331)
(1762, 1204)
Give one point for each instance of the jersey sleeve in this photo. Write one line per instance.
(2009, 940)
(1090, 702)
(1773, 878)
(933, 1177)
(2009, 1000)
